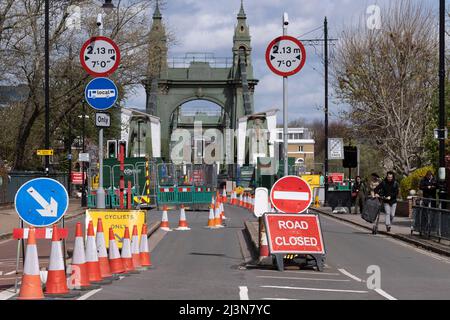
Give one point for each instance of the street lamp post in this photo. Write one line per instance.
(47, 84)
(83, 188)
(326, 109)
(442, 111)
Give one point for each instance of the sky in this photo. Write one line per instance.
(211, 26)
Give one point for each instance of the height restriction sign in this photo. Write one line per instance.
(100, 56)
(285, 56)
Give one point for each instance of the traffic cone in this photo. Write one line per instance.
(126, 253)
(264, 246)
(224, 195)
(241, 200)
(79, 278)
(115, 261)
(105, 270)
(234, 201)
(165, 220)
(31, 288)
(144, 253)
(182, 224)
(211, 219)
(222, 212)
(56, 284)
(218, 219)
(93, 266)
(135, 248)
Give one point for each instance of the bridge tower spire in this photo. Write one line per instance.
(157, 60)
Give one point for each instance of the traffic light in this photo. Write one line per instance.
(123, 144)
(112, 149)
(350, 157)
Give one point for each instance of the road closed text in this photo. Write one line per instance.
(294, 233)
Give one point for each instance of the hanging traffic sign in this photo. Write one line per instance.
(41, 202)
(101, 93)
(100, 56)
(285, 56)
(291, 194)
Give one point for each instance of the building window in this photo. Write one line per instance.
(301, 149)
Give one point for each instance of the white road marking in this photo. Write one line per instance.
(243, 293)
(10, 273)
(348, 274)
(89, 294)
(309, 279)
(314, 289)
(287, 195)
(385, 294)
(1, 273)
(7, 294)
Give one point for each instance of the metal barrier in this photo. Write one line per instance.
(430, 219)
(191, 185)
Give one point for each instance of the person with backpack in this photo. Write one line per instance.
(388, 191)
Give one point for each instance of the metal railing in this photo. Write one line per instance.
(206, 57)
(431, 218)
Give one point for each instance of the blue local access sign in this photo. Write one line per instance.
(101, 93)
(41, 202)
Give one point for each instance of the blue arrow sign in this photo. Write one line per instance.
(41, 202)
(101, 93)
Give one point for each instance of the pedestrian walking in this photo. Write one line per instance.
(388, 190)
(428, 185)
(359, 194)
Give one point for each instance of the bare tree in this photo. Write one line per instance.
(388, 78)
(22, 57)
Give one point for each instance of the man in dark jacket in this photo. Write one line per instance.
(388, 191)
(428, 185)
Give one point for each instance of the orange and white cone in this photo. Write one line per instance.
(241, 200)
(93, 266)
(182, 224)
(79, 278)
(222, 212)
(165, 221)
(144, 253)
(31, 288)
(264, 246)
(135, 248)
(234, 201)
(224, 196)
(115, 261)
(218, 219)
(56, 284)
(126, 253)
(211, 219)
(105, 270)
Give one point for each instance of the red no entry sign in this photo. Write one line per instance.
(295, 234)
(100, 56)
(291, 194)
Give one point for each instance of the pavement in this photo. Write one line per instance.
(400, 229)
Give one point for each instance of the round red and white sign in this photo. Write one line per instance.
(291, 194)
(100, 56)
(285, 56)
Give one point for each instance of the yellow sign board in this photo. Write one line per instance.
(45, 152)
(117, 220)
(312, 180)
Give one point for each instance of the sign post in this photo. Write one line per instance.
(100, 57)
(285, 57)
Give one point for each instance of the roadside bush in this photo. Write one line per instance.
(412, 181)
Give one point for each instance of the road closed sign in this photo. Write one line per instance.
(294, 234)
